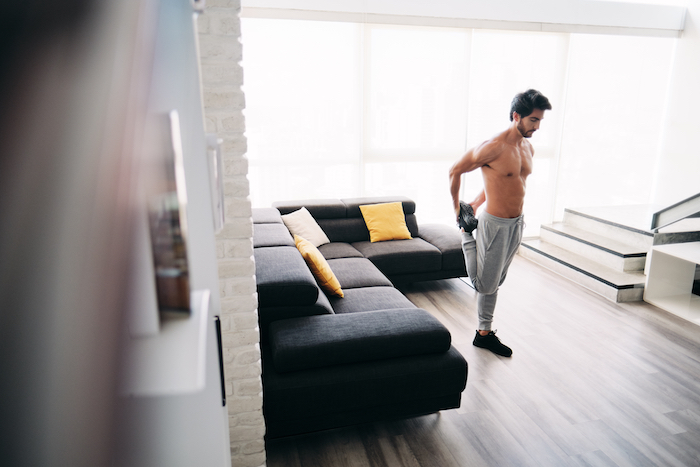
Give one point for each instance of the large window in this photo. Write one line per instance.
(615, 104)
(303, 109)
(342, 110)
(415, 118)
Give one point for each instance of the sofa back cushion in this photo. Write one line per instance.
(345, 230)
(266, 216)
(353, 204)
(265, 235)
(341, 219)
(319, 208)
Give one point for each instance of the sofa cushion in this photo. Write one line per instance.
(319, 267)
(325, 340)
(283, 278)
(369, 299)
(385, 221)
(319, 208)
(353, 204)
(412, 224)
(271, 235)
(335, 250)
(402, 256)
(266, 216)
(270, 314)
(448, 240)
(357, 272)
(345, 230)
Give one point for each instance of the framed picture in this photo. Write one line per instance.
(167, 215)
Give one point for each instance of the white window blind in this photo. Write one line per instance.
(303, 109)
(345, 109)
(615, 104)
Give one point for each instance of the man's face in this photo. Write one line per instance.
(530, 124)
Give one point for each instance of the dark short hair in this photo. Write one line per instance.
(525, 102)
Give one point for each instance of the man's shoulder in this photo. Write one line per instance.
(493, 147)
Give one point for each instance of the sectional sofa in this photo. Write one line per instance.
(330, 361)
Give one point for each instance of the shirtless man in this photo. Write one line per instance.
(505, 161)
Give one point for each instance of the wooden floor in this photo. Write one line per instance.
(590, 383)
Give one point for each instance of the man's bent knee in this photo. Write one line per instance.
(484, 289)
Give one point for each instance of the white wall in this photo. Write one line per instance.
(678, 173)
(645, 17)
(178, 421)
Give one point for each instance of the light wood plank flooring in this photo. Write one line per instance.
(590, 383)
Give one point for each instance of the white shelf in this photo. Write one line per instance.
(173, 362)
(687, 307)
(685, 251)
(670, 277)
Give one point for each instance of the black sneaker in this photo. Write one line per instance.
(492, 343)
(466, 219)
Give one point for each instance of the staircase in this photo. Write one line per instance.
(604, 249)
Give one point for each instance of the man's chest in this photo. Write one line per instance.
(517, 162)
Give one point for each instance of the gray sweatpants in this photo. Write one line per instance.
(488, 258)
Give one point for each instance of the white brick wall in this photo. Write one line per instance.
(222, 77)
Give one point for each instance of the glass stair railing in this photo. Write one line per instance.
(687, 208)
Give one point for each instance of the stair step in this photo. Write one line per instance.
(605, 250)
(633, 218)
(614, 285)
(599, 221)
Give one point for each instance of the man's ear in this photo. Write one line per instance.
(516, 117)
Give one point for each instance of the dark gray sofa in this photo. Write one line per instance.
(371, 355)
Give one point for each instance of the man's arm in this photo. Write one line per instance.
(455, 183)
(472, 160)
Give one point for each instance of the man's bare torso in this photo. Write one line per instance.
(505, 176)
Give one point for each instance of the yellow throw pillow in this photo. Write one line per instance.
(385, 221)
(319, 266)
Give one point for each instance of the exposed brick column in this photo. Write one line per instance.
(222, 77)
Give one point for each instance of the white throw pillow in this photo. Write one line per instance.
(302, 223)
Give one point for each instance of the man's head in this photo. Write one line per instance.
(528, 109)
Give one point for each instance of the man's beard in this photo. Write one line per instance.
(526, 134)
